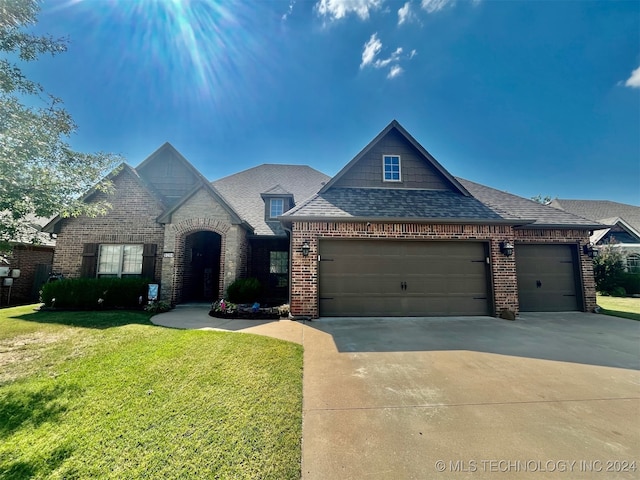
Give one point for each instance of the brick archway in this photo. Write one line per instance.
(182, 231)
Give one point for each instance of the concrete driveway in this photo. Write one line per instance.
(546, 396)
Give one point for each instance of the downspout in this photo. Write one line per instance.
(290, 235)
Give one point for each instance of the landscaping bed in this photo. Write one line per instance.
(247, 311)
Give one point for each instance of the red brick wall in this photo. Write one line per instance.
(304, 270)
(25, 258)
(131, 220)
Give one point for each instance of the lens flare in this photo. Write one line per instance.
(187, 50)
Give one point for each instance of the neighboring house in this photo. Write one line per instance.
(171, 225)
(623, 225)
(392, 234)
(33, 257)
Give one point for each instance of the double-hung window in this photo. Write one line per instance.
(276, 207)
(120, 260)
(391, 168)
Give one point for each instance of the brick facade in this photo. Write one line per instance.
(26, 258)
(131, 220)
(202, 213)
(304, 270)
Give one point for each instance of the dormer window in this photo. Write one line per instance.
(276, 207)
(391, 168)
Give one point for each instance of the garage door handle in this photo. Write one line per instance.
(403, 285)
(538, 283)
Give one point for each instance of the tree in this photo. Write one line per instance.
(40, 174)
(546, 200)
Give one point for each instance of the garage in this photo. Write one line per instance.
(548, 280)
(403, 278)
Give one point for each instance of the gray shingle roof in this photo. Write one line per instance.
(513, 206)
(371, 203)
(601, 210)
(486, 205)
(243, 191)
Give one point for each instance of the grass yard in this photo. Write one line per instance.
(620, 307)
(109, 395)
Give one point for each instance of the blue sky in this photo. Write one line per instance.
(532, 97)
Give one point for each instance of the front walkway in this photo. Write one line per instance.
(195, 316)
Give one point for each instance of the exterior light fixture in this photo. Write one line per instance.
(589, 250)
(305, 248)
(506, 248)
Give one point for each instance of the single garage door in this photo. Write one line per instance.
(548, 278)
(403, 278)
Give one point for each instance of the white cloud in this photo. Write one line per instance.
(337, 9)
(395, 56)
(395, 71)
(405, 14)
(432, 6)
(634, 80)
(371, 49)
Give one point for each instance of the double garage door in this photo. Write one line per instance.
(403, 278)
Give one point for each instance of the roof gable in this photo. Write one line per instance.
(601, 210)
(213, 193)
(619, 232)
(278, 190)
(169, 174)
(419, 170)
(120, 170)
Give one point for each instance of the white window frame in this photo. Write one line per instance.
(633, 263)
(121, 259)
(271, 205)
(384, 169)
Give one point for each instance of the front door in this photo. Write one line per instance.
(202, 267)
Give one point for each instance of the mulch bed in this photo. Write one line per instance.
(262, 314)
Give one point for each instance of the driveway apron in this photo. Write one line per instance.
(546, 396)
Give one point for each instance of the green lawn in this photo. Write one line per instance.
(109, 395)
(620, 307)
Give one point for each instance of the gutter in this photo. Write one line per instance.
(447, 220)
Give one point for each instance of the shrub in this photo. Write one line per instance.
(244, 290)
(630, 282)
(618, 292)
(95, 293)
(608, 269)
(157, 307)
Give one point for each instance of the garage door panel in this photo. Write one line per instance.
(547, 277)
(402, 278)
(352, 284)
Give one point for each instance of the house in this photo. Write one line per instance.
(623, 226)
(29, 265)
(194, 238)
(392, 234)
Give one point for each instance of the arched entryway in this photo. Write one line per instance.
(201, 275)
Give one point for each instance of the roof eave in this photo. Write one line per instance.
(561, 226)
(456, 221)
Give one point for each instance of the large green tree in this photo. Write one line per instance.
(40, 174)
